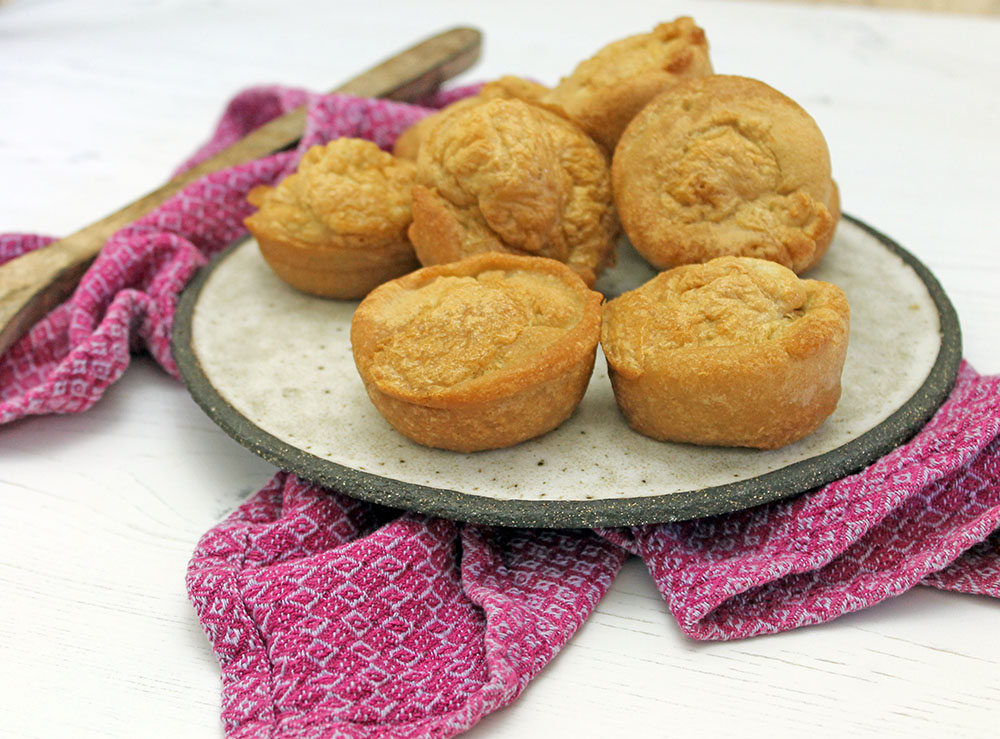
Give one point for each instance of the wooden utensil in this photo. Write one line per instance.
(33, 284)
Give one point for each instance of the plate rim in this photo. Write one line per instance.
(793, 479)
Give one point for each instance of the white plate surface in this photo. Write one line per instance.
(283, 361)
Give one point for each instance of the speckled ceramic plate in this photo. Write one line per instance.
(273, 368)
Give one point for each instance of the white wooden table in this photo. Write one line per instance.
(99, 513)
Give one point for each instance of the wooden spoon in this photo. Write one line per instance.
(33, 284)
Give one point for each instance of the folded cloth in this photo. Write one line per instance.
(859, 540)
(329, 620)
(335, 617)
(126, 300)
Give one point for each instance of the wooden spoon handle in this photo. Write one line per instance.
(33, 284)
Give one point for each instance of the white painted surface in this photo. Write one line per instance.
(100, 512)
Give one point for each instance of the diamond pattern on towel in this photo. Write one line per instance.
(126, 300)
(333, 617)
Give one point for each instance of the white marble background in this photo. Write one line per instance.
(99, 513)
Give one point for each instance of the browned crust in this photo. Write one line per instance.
(345, 273)
(725, 165)
(336, 228)
(496, 424)
(509, 176)
(607, 90)
(407, 144)
(503, 405)
(761, 393)
(824, 238)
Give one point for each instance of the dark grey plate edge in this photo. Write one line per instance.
(608, 512)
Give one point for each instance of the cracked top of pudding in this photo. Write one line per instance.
(348, 192)
(478, 329)
(512, 177)
(730, 306)
(408, 143)
(725, 166)
(605, 91)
